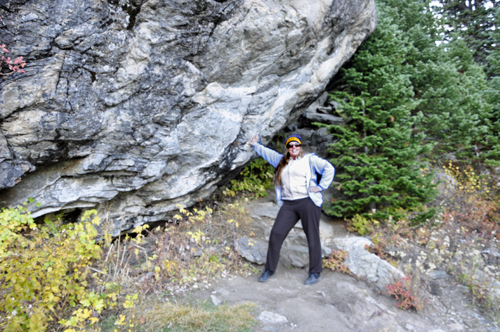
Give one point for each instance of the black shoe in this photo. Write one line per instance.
(266, 275)
(312, 279)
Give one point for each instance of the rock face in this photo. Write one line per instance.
(134, 106)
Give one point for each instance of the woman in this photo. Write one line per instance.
(299, 195)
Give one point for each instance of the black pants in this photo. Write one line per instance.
(290, 212)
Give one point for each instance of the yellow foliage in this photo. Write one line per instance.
(45, 272)
(469, 182)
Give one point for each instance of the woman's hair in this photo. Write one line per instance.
(283, 162)
(277, 171)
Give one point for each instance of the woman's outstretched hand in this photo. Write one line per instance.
(255, 139)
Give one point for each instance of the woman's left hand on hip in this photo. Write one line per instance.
(314, 189)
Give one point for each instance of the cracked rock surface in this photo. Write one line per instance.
(341, 303)
(134, 106)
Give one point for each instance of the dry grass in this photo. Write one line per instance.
(198, 317)
(195, 248)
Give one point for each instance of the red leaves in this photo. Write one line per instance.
(401, 290)
(15, 66)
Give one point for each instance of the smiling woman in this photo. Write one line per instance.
(298, 192)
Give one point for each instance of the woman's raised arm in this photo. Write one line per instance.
(269, 155)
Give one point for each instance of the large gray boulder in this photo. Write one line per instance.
(366, 265)
(134, 106)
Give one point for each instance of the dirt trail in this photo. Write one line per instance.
(343, 304)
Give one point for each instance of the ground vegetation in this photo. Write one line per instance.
(77, 277)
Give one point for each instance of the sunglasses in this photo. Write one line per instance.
(293, 146)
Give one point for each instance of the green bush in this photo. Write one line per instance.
(361, 225)
(255, 178)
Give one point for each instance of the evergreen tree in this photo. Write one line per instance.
(472, 21)
(450, 87)
(448, 84)
(492, 156)
(472, 37)
(451, 90)
(408, 95)
(378, 148)
(493, 57)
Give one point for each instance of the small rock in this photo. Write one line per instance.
(379, 305)
(29, 17)
(456, 327)
(268, 317)
(297, 260)
(355, 241)
(367, 265)
(324, 118)
(145, 277)
(215, 300)
(321, 293)
(409, 327)
(437, 274)
(490, 252)
(253, 250)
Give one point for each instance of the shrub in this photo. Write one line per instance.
(361, 224)
(12, 222)
(468, 179)
(194, 249)
(48, 277)
(255, 178)
(401, 290)
(473, 206)
(462, 240)
(183, 254)
(57, 277)
(335, 261)
(9, 66)
(45, 270)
